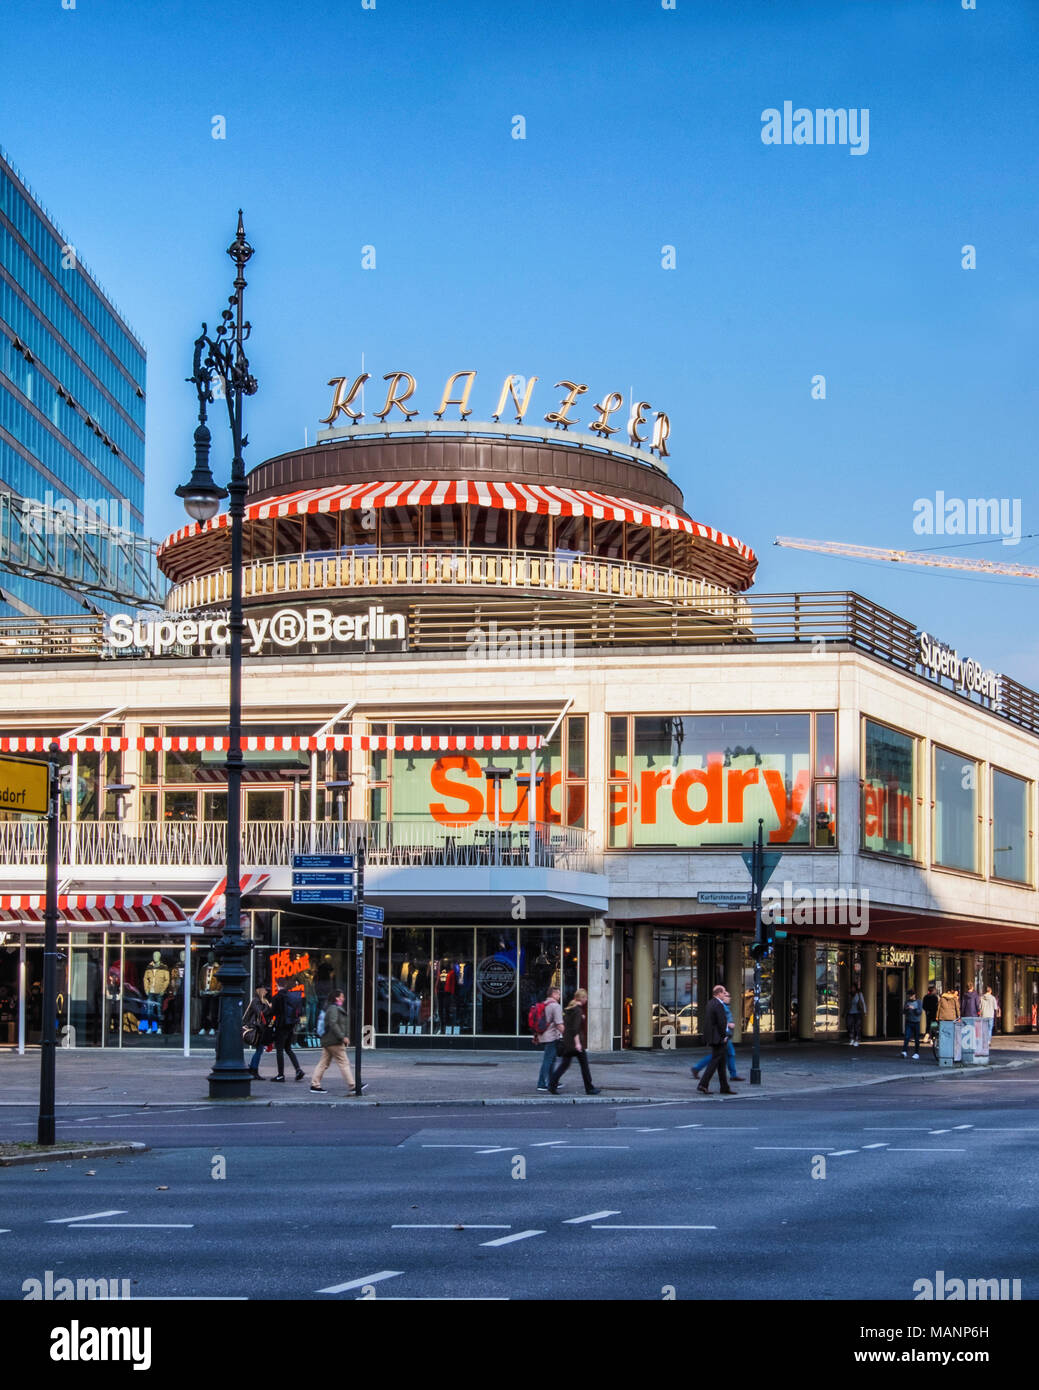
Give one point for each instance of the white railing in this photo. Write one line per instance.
(273, 843)
(378, 570)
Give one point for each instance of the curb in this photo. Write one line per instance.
(52, 1155)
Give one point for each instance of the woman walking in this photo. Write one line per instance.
(256, 1021)
(573, 1045)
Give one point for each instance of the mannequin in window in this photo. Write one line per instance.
(174, 1014)
(209, 991)
(156, 983)
(113, 991)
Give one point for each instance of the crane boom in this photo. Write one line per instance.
(909, 557)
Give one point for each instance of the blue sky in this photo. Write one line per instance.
(392, 127)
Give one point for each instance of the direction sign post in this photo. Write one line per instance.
(24, 787)
(48, 1037)
(762, 865)
(358, 1025)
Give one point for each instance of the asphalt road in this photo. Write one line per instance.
(706, 1198)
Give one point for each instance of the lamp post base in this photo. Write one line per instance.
(230, 1083)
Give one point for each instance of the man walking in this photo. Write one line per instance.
(716, 1035)
(930, 1005)
(334, 1043)
(730, 1052)
(288, 1005)
(971, 1004)
(550, 1035)
(990, 1011)
(573, 1045)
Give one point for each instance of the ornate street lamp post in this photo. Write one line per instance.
(222, 357)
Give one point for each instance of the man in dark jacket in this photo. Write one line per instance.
(970, 1004)
(334, 1043)
(288, 1004)
(716, 1036)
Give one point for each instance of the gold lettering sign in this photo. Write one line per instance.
(509, 389)
(392, 399)
(343, 398)
(661, 430)
(462, 401)
(613, 402)
(637, 418)
(560, 416)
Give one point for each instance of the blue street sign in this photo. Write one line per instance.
(324, 878)
(322, 861)
(322, 895)
(373, 914)
(372, 929)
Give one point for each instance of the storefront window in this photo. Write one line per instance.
(676, 993)
(700, 781)
(827, 990)
(825, 815)
(497, 967)
(403, 993)
(888, 790)
(1011, 843)
(955, 811)
(745, 1006)
(452, 982)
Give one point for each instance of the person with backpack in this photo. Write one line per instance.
(288, 1005)
(546, 1019)
(256, 1027)
(334, 1043)
(573, 1045)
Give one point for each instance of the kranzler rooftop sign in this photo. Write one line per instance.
(644, 425)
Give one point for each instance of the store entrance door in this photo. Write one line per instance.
(894, 982)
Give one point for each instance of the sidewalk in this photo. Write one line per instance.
(90, 1078)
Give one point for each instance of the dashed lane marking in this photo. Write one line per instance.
(595, 1146)
(839, 1153)
(875, 1146)
(508, 1149)
(507, 1240)
(792, 1148)
(452, 1146)
(612, 1227)
(133, 1226)
(446, 1226)
(592, 1216)
(937, 1131)
(90, 1216)
(359, 1283)
(934, 1149)
(551, 1143)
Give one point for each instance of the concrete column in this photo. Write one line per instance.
(921, 972)
(967, 968)
(1010, 966)
(642, 987)
(600, 986)
(869, 990)
(733, 981)
(806, 988)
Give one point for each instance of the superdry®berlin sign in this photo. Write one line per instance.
(283, 630)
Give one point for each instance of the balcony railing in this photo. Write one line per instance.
(367, 570)
(398, 844)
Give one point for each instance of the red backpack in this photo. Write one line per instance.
(536, 1017)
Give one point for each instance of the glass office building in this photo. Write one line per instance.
(72, 406)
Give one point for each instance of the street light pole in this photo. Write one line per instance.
(223, 356)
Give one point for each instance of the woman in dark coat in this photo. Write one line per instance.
(258, 1017)
(573, 1044)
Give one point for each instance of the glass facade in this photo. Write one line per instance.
(1011, 833)
(702, 781)
(71, 389)
(955, 811)
(888, 790)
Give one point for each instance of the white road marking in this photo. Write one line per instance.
(934, 1149)
(595, 1146)
(507, 1240)
(133, 1226)
(5, 1230)
(359, 1283)
(839, 1153)
(650, 1129)
(446, 1226)
(688, 1126)
(874, 1146)
(452, 1146)
(214, 1123)
(594, 1216)
(963, 1126)
(549, 1143)
(506, 1150)
(90, 1216)
(654, 1228)
(937, 1131)
(792, 1148)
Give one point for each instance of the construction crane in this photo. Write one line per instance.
(910, 557)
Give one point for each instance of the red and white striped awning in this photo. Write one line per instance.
(212, 909)
(92, 909)
(315, 743)
(525, 497)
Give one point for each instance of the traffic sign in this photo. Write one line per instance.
(322, 861)
(323, 878)
(370, 913)
(372, 929)
(769, 859)
(322, 895)
(23, 786)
